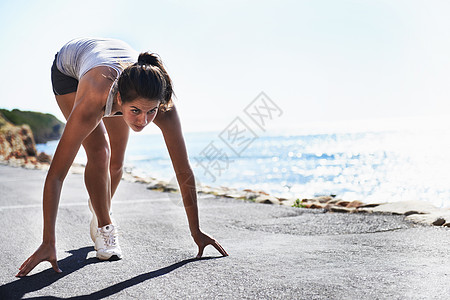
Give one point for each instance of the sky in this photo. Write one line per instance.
(324, 63)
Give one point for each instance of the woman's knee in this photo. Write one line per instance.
(116, 165)
(99, 156)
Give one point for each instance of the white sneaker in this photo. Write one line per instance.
(94, 223)
(107, 243)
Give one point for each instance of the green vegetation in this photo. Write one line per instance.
(298, 203)
(45, 127)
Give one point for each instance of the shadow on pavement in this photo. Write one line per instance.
(22, 286)
(77, 260)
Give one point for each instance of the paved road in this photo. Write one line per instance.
(275, 251)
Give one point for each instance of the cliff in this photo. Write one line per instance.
(17, 145)
(45, 127)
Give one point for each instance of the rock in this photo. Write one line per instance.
(439, 222)
(234, 195)
(170, 188)
(403, 207)
(370, 205)
(44, 158)
(431, 218)
(29, 165)
(153, 186)
(141, 180)
(411, 212)
(426, 219)
(16, 141)
(334, 201)
(343, 203)
(354, 204)
(45, 127)
(341, 209)
(251, 195)
(315, 205)
(205, 189)
(28, 141)
(323, 199)
(160, 185)
(219, 192)
(267, 200)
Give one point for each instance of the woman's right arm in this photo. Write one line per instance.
(79, 125)
(84, 118)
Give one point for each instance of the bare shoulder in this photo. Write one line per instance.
(168, 120)
(94, 86)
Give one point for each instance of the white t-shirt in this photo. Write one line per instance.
(80, 55)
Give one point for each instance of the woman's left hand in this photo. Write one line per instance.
(202, 240)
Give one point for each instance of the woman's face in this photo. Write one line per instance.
(139, 113)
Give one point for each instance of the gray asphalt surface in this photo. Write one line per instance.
(275, 251)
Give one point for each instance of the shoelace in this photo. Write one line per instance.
(110, 238)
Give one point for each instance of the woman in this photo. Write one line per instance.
(103, 91)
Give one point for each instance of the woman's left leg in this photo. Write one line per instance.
(118, 132)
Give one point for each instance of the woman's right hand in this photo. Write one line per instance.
(45, 252)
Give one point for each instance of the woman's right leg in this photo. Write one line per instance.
(96, 174)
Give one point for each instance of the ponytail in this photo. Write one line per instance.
(146, 58)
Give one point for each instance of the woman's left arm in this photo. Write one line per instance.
(169, 123)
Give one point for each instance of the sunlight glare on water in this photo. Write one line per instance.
(369, 166)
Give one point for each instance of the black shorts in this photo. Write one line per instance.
(62, 84)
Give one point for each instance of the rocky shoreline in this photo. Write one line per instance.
(18, 149)
(415, 211)
(45, 127)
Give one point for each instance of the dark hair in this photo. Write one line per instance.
(146, 78)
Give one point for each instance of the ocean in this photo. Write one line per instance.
(371, 166)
